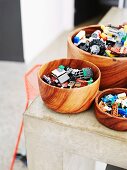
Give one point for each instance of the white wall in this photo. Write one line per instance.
(100, 165)
(42, 22)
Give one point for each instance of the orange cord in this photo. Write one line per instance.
(27, 104)
(17, 143)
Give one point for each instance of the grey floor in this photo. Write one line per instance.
(12, 101)
(12, 95)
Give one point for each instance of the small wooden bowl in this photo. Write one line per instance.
(73, 100)
(113, 122)
(113, 70)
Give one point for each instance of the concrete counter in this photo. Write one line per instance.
(53, 138)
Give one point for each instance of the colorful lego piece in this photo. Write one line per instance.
(114, 104)
(79, 36)
(63, 78)
(110, 41)
(46, 79)
(67, 77)
(114, 110)
(58, 72)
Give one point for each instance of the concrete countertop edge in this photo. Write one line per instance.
(52, 120)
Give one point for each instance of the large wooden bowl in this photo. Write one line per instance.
(73, 100)
(113, 122)
(113, 70)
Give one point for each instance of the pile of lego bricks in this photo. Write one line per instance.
(114, 104)
(109, 41)
(67, 77)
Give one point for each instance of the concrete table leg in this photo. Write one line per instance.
(45, 150)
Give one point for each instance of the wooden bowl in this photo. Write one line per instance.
(113, 70)
(113, 122)
(73, 100)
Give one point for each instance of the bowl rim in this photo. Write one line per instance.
(74, 32)
(97, 100)
(70, 89)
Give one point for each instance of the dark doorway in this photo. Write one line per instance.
(11, 46)
(111, 167)
(88, 9)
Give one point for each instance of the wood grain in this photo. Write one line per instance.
(113, 70)
(116, 123)
(73, 100)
